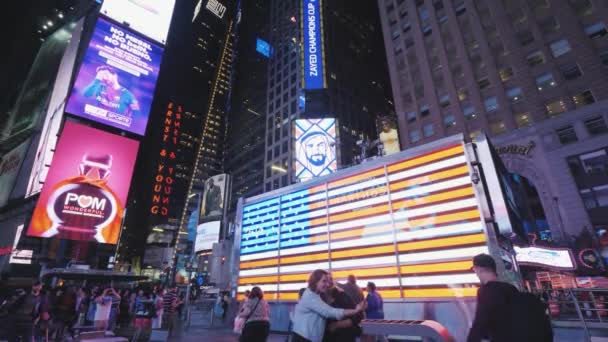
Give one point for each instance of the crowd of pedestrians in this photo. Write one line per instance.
(58, 313)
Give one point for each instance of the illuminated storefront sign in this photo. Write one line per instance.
(315, 152)
(410, 225)
(314, 75)
(85, 191)
(547, 257)
(165, 167)
(116, 81)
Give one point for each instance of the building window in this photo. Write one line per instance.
(566, 135)
(474, 134)
(423, 13)
(545, 81)
(411, 116)
(396, 34)
(469, 112)
(570, 71)
(505, 73)
(406, 26)
(428, 130)
(555, 107)
(549, 25)
(444, 100)
(424, 111)
(584, 98)
(604, 57)
(462, 94)
(427, 30)
(596, 30)
(523, 120)
(535, 58)
(588, 164)
(414, 136)
(514, 94)
(588, 199)
(525, 37)
(596, 125)
(390, 8)
(491, 104)
(498, 127)
(483, 83)
(559, 48)
(460, 8)
(581, 7)
(449, 120)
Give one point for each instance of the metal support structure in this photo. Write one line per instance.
(427, 330)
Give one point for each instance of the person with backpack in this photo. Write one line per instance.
(503, 313)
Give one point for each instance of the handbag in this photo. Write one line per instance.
(239, 322)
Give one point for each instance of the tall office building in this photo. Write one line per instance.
(196, 78)
(533, 75)
(244, 156)
(355, 91)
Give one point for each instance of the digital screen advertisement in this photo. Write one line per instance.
(116, 81)
(411, 225)
(206, 235)
(214, 196)
(262, 47)
(85, 192)
(314, 75)
(559, 258)
(315, 153)
(151, 18)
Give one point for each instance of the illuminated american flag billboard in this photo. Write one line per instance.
(410, 225)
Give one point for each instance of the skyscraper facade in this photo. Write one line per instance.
(195, 78)
(244, 158)
(356, 88)
(491, 65)
(533, 75)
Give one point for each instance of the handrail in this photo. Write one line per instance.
(426, 329)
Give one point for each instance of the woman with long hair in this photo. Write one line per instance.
(311, 312)
(256, 314)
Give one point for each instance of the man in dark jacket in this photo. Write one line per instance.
(493, 315)
(26, 311)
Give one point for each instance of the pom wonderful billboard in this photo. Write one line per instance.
(84, 194)
(116, 81)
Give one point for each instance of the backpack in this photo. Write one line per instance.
(529, 319)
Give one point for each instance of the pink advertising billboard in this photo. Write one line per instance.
(85, 192)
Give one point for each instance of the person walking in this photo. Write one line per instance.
(170, 303)
(311, 312)
(353, 290)
(256, 315)
(157, 298)
(375, 304)
(503, 313)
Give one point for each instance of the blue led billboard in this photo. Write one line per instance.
(313, 45)
(262, 47)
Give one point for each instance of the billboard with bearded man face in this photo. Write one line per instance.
(315, 148)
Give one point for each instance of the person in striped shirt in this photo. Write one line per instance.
(170, 302)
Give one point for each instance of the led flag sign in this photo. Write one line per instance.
(313, 45)
(410, 225)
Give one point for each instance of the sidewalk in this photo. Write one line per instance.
(194, 334)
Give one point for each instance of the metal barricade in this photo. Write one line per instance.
(427, 330)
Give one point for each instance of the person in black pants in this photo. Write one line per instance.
(256, 313)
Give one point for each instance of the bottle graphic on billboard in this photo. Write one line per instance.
(80, 206)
